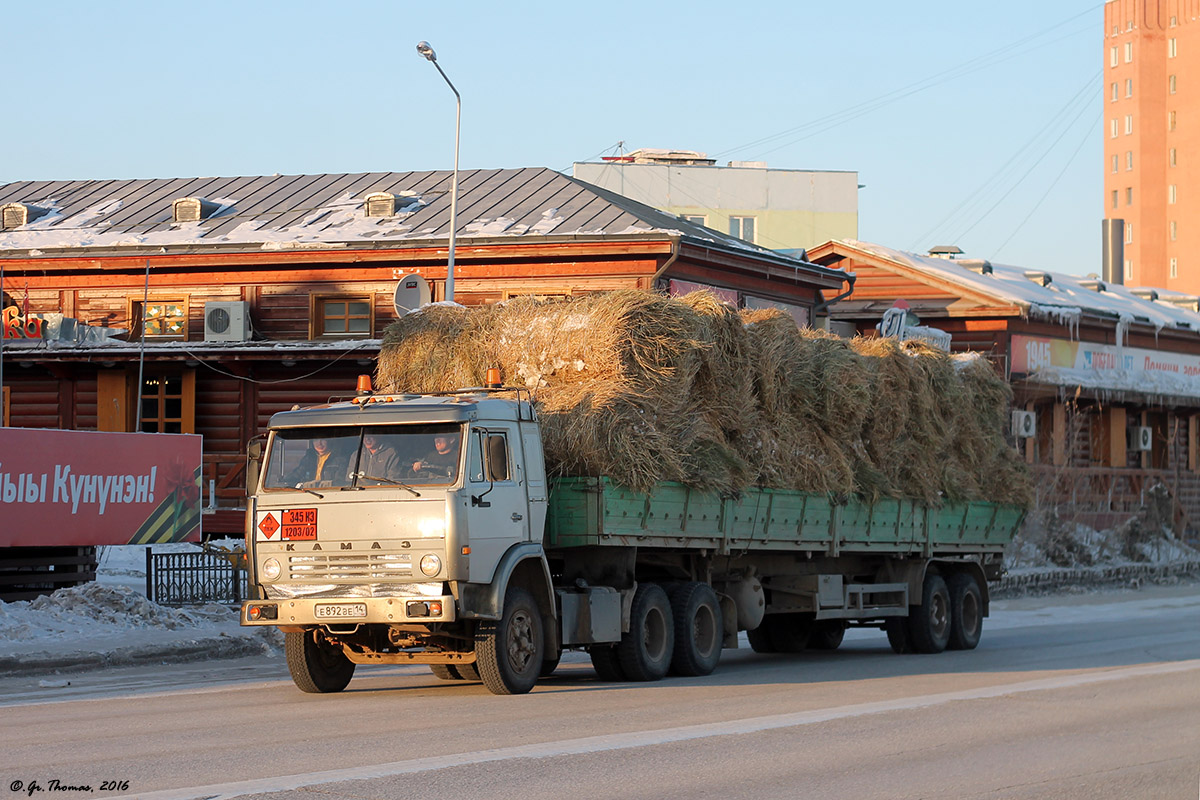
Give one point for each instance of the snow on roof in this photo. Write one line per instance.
(1063, 298)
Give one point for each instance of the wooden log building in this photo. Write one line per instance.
(205, 305)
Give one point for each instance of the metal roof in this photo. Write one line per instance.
(312, 211)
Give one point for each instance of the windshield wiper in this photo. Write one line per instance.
(310, 491)
(392, 481)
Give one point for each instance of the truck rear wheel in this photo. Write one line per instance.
(508, 651)
(606, 663)
(645, 651)
(966, 611)
(789, 632)
(445, 672)
(929, 623)
(827, 634)
(760, 638)
(699, 630)
(317, 666)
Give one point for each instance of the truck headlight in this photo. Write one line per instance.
(430, 564)
(271, 569)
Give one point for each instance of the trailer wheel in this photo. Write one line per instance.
(606, 663)
(827, 634)
(699, 629)
(929, 623)
(645, 651)
(317, 666)
(445, 672)
(966, 611)
(789, 632)
(508, 651)
(760, 638)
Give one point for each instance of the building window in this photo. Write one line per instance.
(1172, 48)
(1128, 124)
(341, 315)
(1172, 195)
(742, 228)
(1129, 87)
(1171, 84)
(1128, 159)
(1129, 195)
(1171, 157)
(1128, 233)
(1170, 120)
(1114, 92)
(1112, 57)
(1174, 268)
(165, 318)
(1114, 199)
(168, 403)
(696, 219)
(1113, 128)
(1174, 230)
(1128, 268)
(1116, 163)
(1128, 52)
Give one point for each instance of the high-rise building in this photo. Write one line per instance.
(1152, 138)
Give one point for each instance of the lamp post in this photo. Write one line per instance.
(425, 50)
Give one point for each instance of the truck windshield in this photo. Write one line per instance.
(363, 457)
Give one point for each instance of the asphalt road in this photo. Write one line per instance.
(1095, 696)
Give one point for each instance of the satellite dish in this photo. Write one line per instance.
(412, 292)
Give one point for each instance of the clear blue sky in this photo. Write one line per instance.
(976, 124)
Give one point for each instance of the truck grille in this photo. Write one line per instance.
(346, 567)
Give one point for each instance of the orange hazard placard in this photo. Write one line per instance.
(298, 524)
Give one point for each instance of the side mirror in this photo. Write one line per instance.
(254, 456)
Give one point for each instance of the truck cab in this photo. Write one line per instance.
(385, 527)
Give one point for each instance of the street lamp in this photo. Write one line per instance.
(425, 50)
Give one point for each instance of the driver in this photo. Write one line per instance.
(443, 459)
(320, 466)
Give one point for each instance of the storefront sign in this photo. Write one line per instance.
(80, 488)
(17, 326)
(1032, 353)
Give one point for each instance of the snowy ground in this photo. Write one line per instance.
(110, 622)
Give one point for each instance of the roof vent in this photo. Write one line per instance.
(386, 204)
(192, 209)
(1189, 302)
(947, 251)
(1094, 285)
(748, 164)
(1038, 277)
(14, 215)
(1145, 294)
(978, 265)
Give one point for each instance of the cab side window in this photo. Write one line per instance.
(489, 459)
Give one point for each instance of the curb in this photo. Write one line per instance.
(1051, 580)
(219, 647)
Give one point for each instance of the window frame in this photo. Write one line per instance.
(134, 305)
(186, 397)
(741, 225)
(318, 318)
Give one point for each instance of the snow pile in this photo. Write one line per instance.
(1048, 541)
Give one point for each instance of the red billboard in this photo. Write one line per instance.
(79, 488)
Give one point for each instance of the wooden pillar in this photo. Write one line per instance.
(1058, 433)
(1116, 428)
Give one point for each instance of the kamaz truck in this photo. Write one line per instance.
(485, 568)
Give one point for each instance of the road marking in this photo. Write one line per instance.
(636, 739)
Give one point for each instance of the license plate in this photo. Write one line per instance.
(340, 610)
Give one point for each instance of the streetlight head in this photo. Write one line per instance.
(424, 49)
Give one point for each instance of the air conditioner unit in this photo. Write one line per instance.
(226, 321)
(1141, 437)
(1024, 424)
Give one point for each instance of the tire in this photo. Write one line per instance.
(789, 632)
(929, 623)
(760, 638)
(549, 664)
(966, 611)
(699, 629)
(827, 634)
(896, 629)
(445, 672)
(508, 651)
(606, 663)
(645, 652)
(317, 666)
(467, 672)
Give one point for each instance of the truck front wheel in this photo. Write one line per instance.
(645, 651)
(508, 651)
(317, 666)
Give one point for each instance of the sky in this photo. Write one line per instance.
(973, 124)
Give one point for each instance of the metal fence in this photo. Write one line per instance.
(177, 579)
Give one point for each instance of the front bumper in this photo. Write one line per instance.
(378, 610)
